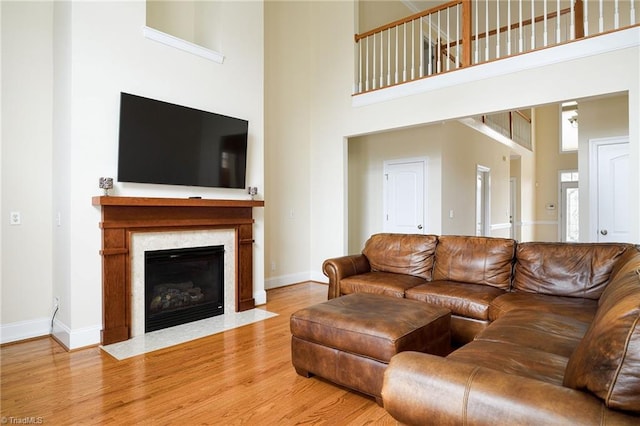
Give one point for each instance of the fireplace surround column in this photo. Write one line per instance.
(122, 216)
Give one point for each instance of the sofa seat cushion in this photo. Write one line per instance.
(402, 254)
(566, 269)
(512, 358)
(384, 283)
(580, 309)
(607, 360)
(463, 299)
(478, 260)
(544, 331)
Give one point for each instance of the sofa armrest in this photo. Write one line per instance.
(342, 267)
(423, 389)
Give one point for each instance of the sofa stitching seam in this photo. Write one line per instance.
(624, 355)
(467, 391)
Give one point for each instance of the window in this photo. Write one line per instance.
(569, 206)
(569, 127)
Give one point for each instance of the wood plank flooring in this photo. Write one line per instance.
(240, 377)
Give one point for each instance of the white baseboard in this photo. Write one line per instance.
(78, 338)
(260, 297)
(285, 280)
(23, 330)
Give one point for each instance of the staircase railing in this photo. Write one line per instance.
(462, 33)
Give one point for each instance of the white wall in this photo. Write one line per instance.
(610, 116)
(366, 156)
(334, 118)
(287, 155)
(26, 253)
(99, 52)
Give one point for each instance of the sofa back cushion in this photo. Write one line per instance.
(606, 362)
(476, 260)
(402, 254)
(566, 269)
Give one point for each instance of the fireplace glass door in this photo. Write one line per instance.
(183, 285)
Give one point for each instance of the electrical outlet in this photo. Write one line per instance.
(273, 266)
(15, 218)
(56, 302)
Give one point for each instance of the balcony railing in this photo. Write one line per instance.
(462, 33)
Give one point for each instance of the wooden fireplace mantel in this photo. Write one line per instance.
(122, 216)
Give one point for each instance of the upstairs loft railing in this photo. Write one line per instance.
(462, 33)
(515, 125)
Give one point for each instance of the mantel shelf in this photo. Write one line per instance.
(172, 202)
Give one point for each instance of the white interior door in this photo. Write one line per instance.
(483, 193)
(404, 196)
(612, 220)
(513, 197)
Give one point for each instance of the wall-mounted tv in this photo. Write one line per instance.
(164, 143)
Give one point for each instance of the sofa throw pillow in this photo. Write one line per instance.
(566, 269)
(477, 260)
(606, 362)
(401, 254)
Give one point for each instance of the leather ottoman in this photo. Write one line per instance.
(349, 340)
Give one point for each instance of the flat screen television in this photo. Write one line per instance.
(164, 143)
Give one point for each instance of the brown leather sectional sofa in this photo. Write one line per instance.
(546, 333)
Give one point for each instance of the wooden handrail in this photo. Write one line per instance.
(407, 19)
(521, 114)
(516, 25)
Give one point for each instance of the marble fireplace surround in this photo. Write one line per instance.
(150, 241)
(125, 219)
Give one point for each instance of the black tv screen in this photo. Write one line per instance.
(165, 143)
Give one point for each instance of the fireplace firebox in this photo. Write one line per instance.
(183, 285)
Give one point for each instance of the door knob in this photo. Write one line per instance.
(419, 226)
(604, 232)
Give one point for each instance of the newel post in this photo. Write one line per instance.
(579, 19)
(466, 33)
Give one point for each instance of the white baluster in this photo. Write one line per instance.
(404, 60)
(458, 36)
(486, 23)
(448, 41)
(497, 29)
(421, 73)
(509, 28)
(389, 57)
(533, 26)
(616, 15)
(476, 48)
(430, 64)
(601, 17)
(397, 50)
(544, 33)
(413, 50)
(558, 32)
(586, 18)
(520, 35)
(572, 22)
(366, 80)
(632, 13)
(439, 57)
(381, 59)
(373, 63)
(360, 66)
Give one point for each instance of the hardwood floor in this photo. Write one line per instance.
(240, 377)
